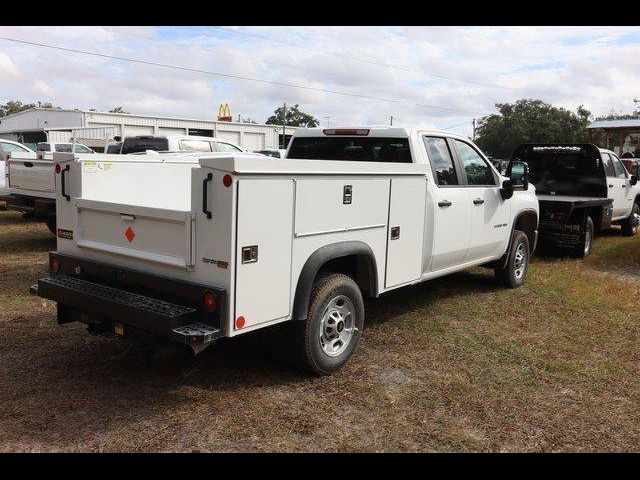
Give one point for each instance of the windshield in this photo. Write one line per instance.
(140, 144)
(359, 149)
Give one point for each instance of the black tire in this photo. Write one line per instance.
(514, 273)
(583, 250)
(311, 354)
(51, 224)
(629, 226)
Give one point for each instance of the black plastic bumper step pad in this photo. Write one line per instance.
(197, 332)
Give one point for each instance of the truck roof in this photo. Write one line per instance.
(371, 131)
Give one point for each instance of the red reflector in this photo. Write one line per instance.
(58, 168)
(239, 322)
(130, 234)
(209, 302)
(227, 180)
(346, 131)
(55, 265)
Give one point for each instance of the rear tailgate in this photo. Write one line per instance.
(157, 235)
(31, 176)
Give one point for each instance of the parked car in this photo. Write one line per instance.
(582, 190)
(273, 152)
(213, 247)
(7, 147)
(177, 143)
(62, 147)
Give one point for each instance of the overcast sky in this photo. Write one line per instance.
(463, 69)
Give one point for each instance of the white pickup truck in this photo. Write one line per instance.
(219, 246)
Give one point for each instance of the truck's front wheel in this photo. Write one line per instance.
(333, 326)
(630, 225)
(514, 273)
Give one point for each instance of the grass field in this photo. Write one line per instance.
(455, 364)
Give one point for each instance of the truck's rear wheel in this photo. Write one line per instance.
(583, 250)
(630, 225)
(514, 273)
(51, 224)
(334, 323)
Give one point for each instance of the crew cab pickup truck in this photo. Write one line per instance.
(220, 246)
(177, 143)
(582, 190)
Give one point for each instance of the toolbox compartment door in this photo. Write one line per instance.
(405, 232)
(263, 275)
(153, 234)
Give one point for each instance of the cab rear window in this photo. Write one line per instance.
(141, 144)
(356, 149)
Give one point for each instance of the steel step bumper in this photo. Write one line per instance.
(142, 312)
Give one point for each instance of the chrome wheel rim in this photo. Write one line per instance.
(520, 261)
(337, 326)
(587, 241)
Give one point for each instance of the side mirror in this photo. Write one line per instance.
(518, 173)
(506, 192)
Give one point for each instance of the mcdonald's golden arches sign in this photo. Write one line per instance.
(224, 113)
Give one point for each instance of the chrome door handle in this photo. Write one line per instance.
(478, 201)
(445, 203)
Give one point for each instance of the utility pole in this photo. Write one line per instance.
(391, 121)
(284, 123)
(328, 122)
(474, 129)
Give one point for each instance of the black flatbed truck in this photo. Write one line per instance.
(572, 187)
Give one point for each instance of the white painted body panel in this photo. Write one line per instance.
(288, 208)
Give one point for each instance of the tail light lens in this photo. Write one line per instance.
(58, 168)
(209, 302)
(55, 264)
(227, 180)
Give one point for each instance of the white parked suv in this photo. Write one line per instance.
(196, 248)
(63, 147)
(177, 143)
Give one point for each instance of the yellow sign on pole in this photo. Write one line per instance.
(224, 113)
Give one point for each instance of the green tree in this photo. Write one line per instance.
(293, 118)
(529, 121)
(16, 106)
(118, 110)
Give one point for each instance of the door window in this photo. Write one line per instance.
(227, 147)
(11, 148)
(477, 170)
(618, 167)
(195, 145)
(441, 161)
(608, 165)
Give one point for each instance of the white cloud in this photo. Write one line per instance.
(595, 66)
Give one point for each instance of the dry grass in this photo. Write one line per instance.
(456, 364)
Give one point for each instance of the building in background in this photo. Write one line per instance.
(620, 136)
(94, 129)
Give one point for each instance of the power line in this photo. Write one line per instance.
(265, 62)
(364, 60)
(236, 77)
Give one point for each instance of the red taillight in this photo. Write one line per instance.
(55, 265)
(227, 180)
(209, 302)
(346, 131)
(239, 322)
(58, 168)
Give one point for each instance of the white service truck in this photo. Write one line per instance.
(226, 245)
